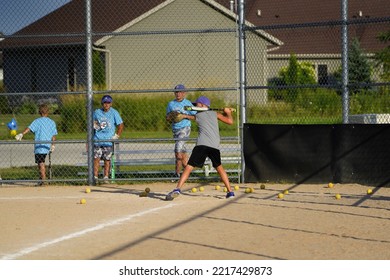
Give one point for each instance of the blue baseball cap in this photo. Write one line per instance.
(180, 87)
(106, 99)
(202, 99)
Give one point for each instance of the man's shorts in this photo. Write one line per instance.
(102, 152)
(39, 158)
(200, 153)
(184, 132)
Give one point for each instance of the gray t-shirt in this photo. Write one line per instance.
(208, 134)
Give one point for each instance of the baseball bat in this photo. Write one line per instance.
(113, 166)
(201, 109)
(50, 173)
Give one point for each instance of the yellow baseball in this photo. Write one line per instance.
(87, 190)
(217, 187)
(285, 192)
(12, 133)
(338, 196)
(262, 186)
(248, 190)
(147, 190)
(369, 191)
(225, 189)
(143, 194)
(236, 188)
(83, 201)
(194, 190)
(280, 195)
(330, 185)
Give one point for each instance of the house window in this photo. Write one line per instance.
(322, 74)
(71, 79)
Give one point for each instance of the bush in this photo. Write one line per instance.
(73, 114)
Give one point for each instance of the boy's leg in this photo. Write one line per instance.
(96, 163)
(107, 165)
(222, 173)
(183, 178)
(42, 171)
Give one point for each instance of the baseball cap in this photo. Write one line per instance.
(106, 99)
(202, 99)
(180, 87)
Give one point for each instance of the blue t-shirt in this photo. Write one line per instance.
(44, 129)
(178, 106)
(107, 122)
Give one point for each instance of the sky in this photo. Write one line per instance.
(16, 14)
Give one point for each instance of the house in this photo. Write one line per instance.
(311, 30)
(49, 55)
(163, 49)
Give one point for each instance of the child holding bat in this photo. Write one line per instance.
(108, 125)
(207, 145)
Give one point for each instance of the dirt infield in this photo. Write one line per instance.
(309, 223)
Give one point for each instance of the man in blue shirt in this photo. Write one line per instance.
(108, 125)
(181, 129)
(44, 129)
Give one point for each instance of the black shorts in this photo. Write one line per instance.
(200, 153)
(39, 158)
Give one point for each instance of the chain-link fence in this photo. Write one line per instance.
(285, 64)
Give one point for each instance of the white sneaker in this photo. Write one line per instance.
(173, 194)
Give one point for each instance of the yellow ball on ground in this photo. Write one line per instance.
(83, 201)
(225, 189)
(369, 191)
(143, 194)
(248, 190)
(338, 196)
(285, 192)
(147, 190)
(252, 190)
(330, 185)
(201, 189)
(194, 189)
(12, 133)
(87, 190)
(262, 186)
(217, 187)
(280, 195)
(236, 188)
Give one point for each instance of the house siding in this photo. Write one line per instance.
(196, 59)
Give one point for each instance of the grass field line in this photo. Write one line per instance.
(98, 227)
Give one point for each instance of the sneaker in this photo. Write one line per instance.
(173, 194)
(105, 180)
(230, 194)
(41, 184)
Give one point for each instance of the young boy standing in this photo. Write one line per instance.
(207, 145)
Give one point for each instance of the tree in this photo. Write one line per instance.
(382, 58)
(359, 68)
(296, 74)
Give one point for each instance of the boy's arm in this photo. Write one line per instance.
(20, 135)
(226, 116)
